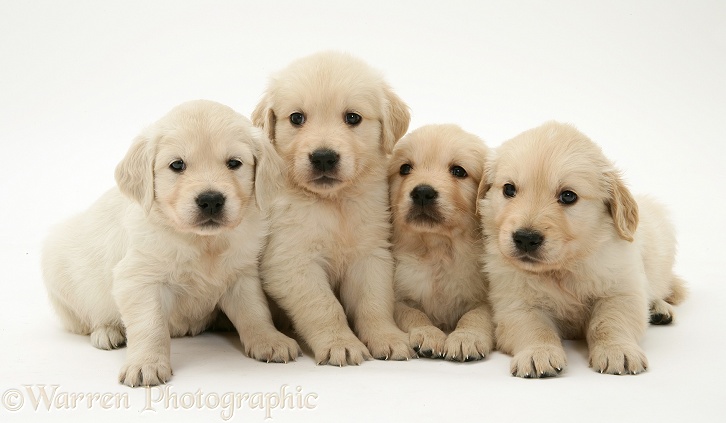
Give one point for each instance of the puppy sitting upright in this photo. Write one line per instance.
(176, 242)
(571, 254)
(434, 175)
(333, 119)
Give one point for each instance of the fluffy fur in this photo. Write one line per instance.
(434, 174)
(328, 253)
(146, 262)
(592, 268)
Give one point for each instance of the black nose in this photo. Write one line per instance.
(423, 195)
(527, 240)
(210, 202)
(324, 159)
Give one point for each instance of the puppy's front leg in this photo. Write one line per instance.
(302, 289)
(139, 298)
(425, 338)
(367, 294)
(532, 338)
(246, 306)
(473, 338)
(616, 324)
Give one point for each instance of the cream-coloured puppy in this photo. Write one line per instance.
(333, 119)
(571, 254)
(434, 174)
(178, 241)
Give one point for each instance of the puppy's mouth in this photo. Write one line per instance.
(424, 216)
(210, 224)
(325, 181)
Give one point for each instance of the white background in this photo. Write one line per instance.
(644, 79)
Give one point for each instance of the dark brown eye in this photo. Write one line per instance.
(178, 166)
(567, 198)
(405, 169)
(509, 190)
(234, 164)
(297, 119)
(352, 119)
(458, 171)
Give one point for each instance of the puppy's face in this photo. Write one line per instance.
(553, 198)
(434, 174)
(194, 169)
(332, 119)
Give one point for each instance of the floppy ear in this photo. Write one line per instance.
(622, 206)
(268, 176)
(264, 117)
(486, 180)
(135, 173)
(395, 120)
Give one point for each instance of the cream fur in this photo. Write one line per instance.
(439, 285)
(328, 257)
(604, 262)
(143, 267)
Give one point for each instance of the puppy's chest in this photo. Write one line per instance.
(445, 289)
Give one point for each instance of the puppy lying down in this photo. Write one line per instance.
(570, 253)
(434, 174)
(178, 241)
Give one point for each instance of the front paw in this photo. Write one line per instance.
(539, 361)
(341, 352)
(151, 372)
(467, 346)
(618, 359)
(390, 346)
(272, 347)
(427, 341)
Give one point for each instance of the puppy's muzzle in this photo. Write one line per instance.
(527, 240)
(424, 210)
(424, 195)
(324, 160)
(210, 203)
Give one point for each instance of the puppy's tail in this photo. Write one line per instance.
(679, 292)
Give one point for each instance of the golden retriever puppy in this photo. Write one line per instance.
(333, 120)
(178, 241)
(571, 254)
(434, 174)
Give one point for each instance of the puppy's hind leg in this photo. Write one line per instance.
(679, 292)
(70, 319)
(108, 337)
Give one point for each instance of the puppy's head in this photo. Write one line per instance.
(195, 168)
(332, 119)
(554, 198)
(433, 174)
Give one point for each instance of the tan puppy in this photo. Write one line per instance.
(333, 120)
(178, 241)
(434, 175)
(565, 259)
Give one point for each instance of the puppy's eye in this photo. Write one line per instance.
(567, 197)
(458, 171)
(234, 164)
(509, 190)
(352, 119)
(405, 169)
(297, 118)
(178, 166)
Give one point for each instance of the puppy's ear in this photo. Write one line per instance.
(264, 117)
(487, 180)
(268, 176)
(622, 206)
(396, 118)
(135, 173)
